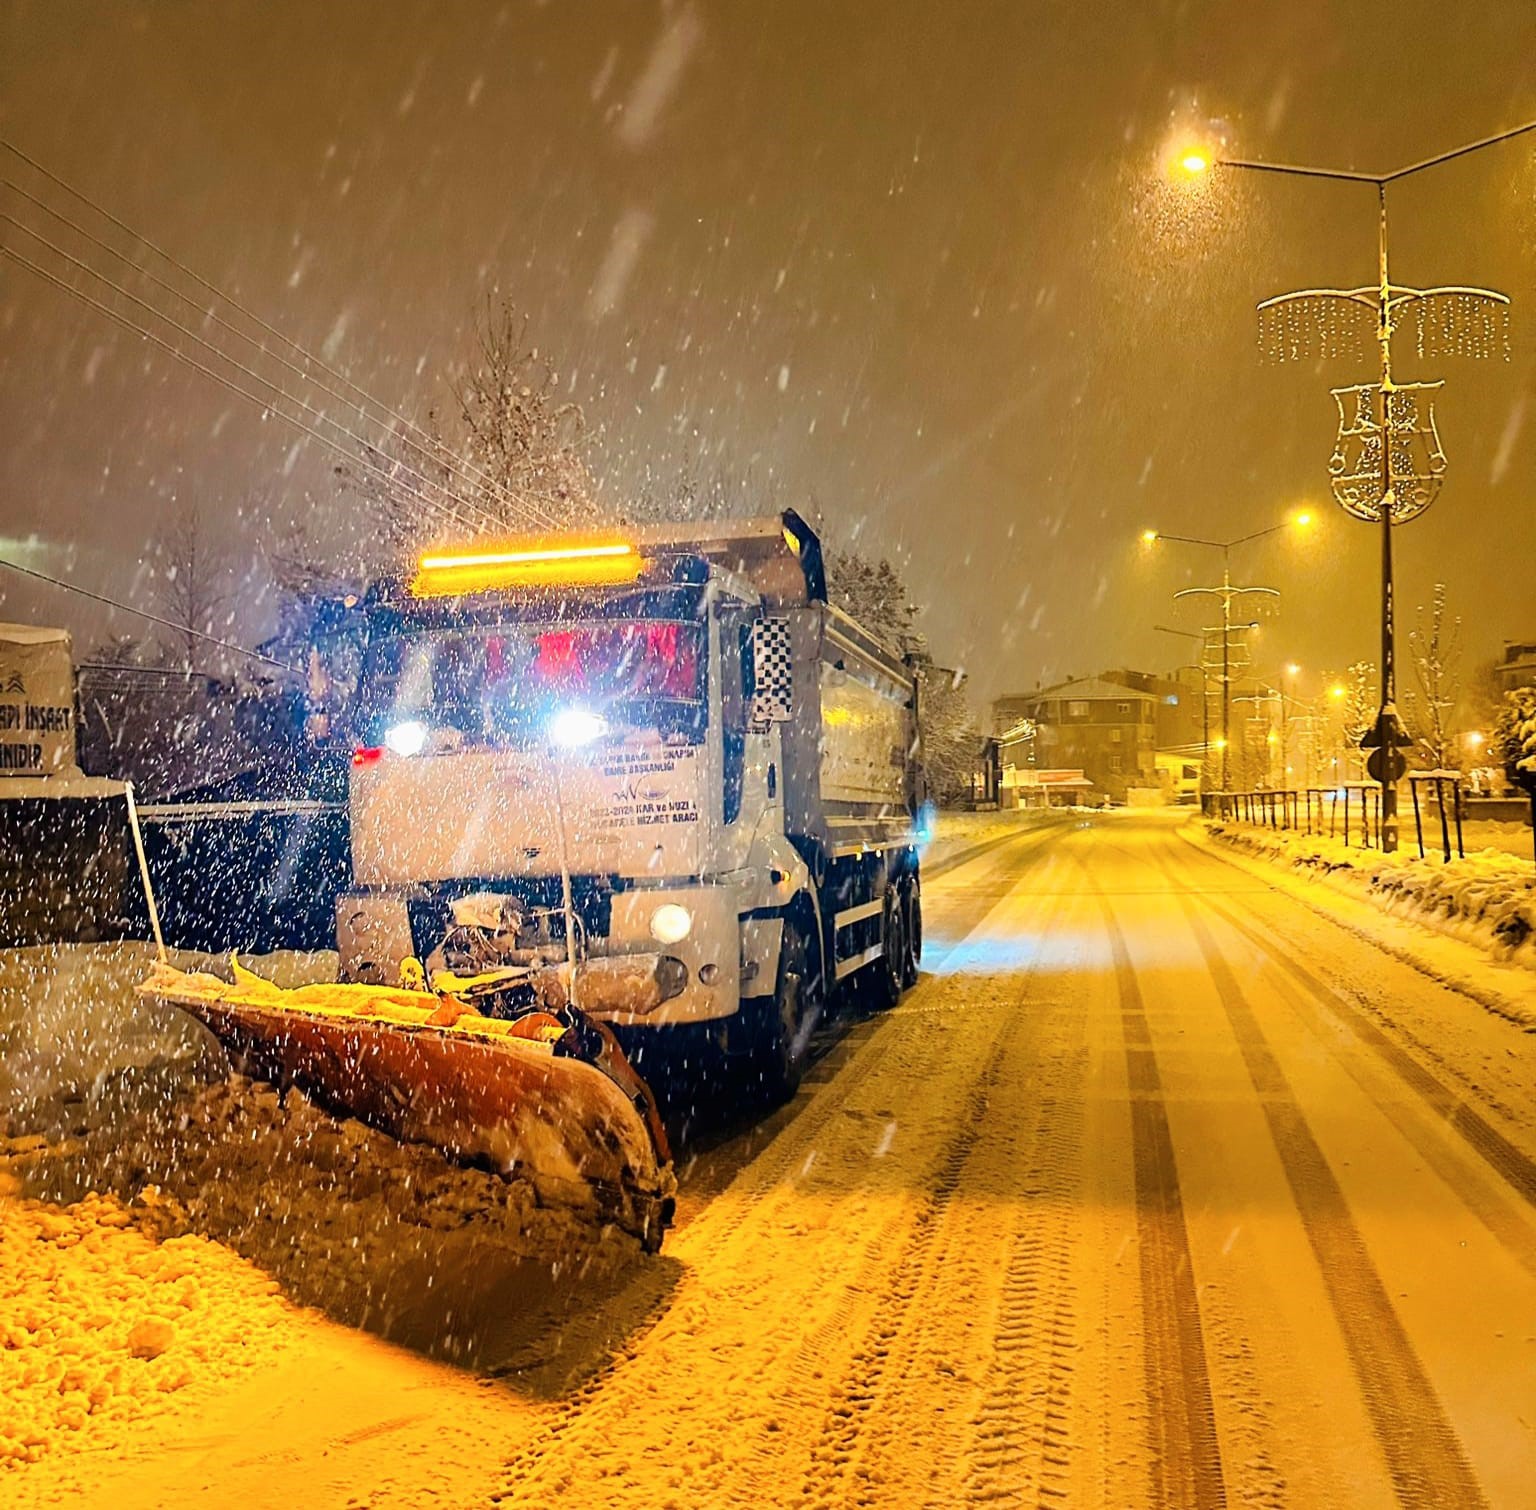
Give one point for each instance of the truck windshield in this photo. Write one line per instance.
(502, 684)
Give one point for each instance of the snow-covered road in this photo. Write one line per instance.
(1160, 1190)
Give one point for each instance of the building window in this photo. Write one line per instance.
(1123, 709)
(1077, 710)
(1115, 736)
(1116, 765)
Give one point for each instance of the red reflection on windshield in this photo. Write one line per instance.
(621, 660)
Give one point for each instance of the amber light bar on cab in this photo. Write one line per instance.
(451, 573)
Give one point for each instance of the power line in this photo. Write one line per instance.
(190, 361)
(438, 452)
(307, 356)
(154, 618)
(223, 356)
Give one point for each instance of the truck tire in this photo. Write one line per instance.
(795, 1011)
(885, 978)
(912, 897)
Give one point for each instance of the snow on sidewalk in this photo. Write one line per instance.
(1470, 926)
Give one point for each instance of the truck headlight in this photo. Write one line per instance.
(408, 738)
(670, 924)
(573, 727)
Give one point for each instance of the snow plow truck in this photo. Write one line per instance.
(604, 786)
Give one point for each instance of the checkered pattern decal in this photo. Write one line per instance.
(772, 673)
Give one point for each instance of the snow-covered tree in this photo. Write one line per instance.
(1353, 703)
(1514, 733)
(874, 593)
(951, 741)
(1431, 701)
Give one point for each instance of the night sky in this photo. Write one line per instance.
(912, 264)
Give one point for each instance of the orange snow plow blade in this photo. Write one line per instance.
(431, 1069)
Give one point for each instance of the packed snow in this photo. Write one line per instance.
(104, 1315)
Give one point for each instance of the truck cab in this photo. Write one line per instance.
(658, 760)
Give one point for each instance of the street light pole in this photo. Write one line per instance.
(1401, 492)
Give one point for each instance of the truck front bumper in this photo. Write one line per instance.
(709, 954)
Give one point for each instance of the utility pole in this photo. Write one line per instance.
(1205, 687)
(1227, 591)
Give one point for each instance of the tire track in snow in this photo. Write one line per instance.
(1021, 1433)
(845, 1461)
(1423, 1453)
(768, 1188)
(1515, 1171)
(831, 1457)
(1185, 1453)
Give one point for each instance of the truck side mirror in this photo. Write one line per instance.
(772, 673)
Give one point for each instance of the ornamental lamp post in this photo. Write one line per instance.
(1375, 474)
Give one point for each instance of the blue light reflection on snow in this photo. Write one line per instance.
(1061, 951)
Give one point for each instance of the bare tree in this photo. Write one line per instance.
(408, 484)
(508, 460)
(189, 587)
(1436, 648)
(522, 438)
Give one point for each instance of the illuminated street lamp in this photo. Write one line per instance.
(1227, 591)
(1375, 474)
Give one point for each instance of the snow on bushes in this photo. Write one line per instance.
(1489, 898)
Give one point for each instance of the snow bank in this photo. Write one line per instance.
(343, 1216)
(1489, 898)
(100, 1325)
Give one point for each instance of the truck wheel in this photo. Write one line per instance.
(912, 894)
(886, 976)
(795, 1012)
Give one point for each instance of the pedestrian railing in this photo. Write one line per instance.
(1350, 811)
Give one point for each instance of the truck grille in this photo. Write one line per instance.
(430, 909)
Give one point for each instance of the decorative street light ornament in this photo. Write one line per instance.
(1387, 463)
(1415, 462)
(1322, 324)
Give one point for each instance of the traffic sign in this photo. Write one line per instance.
(1384, 764)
